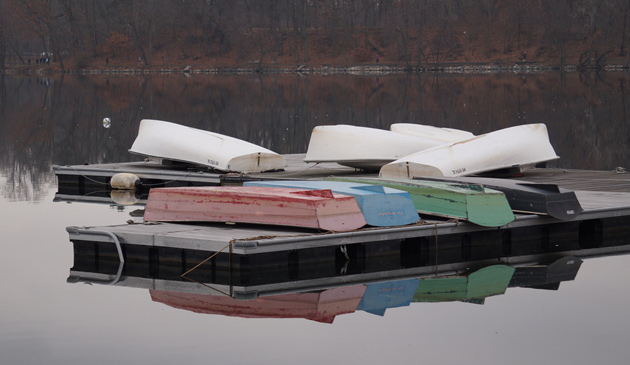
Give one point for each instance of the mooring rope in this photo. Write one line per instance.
(187, 175)
(78, 197)
(160, 183)
(170, 181)
(206, 260)
(436, 249)
(296, 172)
(344, 250)
(88, 178)
(208, 286)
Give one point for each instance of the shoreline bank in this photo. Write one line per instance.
(371, 69)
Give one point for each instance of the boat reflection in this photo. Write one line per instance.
(324, 298)
(320, 306)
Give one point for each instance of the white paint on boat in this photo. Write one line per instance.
(363, 147)
(443, 135)
(174, 142)
(519, 147)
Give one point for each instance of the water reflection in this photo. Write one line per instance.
(326, 299)
(375, 298)
(320, 283)
(321, 306)
(59, 119)
(119, 198)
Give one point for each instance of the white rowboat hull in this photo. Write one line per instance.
(174, 142)
(362, 147)
(443, 135)
(519, 147)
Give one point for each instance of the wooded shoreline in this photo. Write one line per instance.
(376, 69)
(282, 36)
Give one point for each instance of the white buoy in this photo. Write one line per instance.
(124, 197)
(107, 122)
(125, 181)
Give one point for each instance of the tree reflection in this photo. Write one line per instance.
(57, 119)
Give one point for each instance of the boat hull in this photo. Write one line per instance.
(320, 209)
(443, 135)
(379, 297)
(174, 142)
(519, 147)
(361, 147)
(475, 287)
(381, 207)
(547, 276)
(469, 202)
(320, 306)
(528, 197)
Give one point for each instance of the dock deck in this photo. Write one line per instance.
(604, 195)
(153, 174)
(247, 239)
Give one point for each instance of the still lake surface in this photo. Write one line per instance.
(58, 120)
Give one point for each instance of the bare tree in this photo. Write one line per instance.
(3, 47)
(623, 7)
(558, 25)
(4, 44)
(44, 19)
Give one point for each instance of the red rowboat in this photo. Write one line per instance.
(319, 209)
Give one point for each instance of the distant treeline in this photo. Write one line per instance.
(75, 33)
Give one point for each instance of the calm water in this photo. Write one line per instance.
(54, 120)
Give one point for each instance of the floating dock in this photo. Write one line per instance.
(90, 177)
(90, 183)
(604, 195)
(600, 211)
(244, 282)
(324, 293)
(77, 181)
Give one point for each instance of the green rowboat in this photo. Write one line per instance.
(489, 281)
(470, 202)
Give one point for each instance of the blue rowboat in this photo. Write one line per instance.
(470, 202)
(381, 206)
(391, 294)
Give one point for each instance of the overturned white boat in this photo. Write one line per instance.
(365, 148)
(173, 142)
(438, 134)
(515, 148)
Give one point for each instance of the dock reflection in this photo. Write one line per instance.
(321, 297)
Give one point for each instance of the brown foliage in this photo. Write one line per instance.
(117, 44)
(239, 33)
